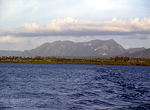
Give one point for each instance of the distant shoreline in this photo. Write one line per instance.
(96, 61)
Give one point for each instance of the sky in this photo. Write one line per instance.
(26, 24)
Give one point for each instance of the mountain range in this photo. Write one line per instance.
(94, 48)
(138, 54)
(69, 48)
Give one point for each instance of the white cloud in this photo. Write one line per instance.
(21, 43)
(9, 39)
(80, 27)
(114, 19)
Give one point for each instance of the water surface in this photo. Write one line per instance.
(73, 87)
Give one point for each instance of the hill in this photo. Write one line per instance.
(69, 48)
(10, 53)
(139, 54)
(91, 49)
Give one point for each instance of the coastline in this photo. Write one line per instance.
(96, 61)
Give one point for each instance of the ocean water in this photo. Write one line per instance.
(74, 87)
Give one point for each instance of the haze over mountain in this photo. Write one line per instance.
(139, 54)
(132, 50)
(94, 48)
(10, 53)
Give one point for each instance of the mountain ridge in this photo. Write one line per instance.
(69, 48)
(139, 54)
(94, 48)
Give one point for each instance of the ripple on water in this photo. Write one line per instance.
(73, 87)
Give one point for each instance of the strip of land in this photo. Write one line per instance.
(93, 61)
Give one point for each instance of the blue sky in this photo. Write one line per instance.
(26, 24)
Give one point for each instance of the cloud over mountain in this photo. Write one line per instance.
(134, 28)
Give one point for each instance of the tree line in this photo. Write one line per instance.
(56, 60)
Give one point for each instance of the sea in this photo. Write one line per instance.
(29, 86)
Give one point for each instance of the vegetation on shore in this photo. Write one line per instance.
(97, 61)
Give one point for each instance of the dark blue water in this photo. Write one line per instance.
(74, 87)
